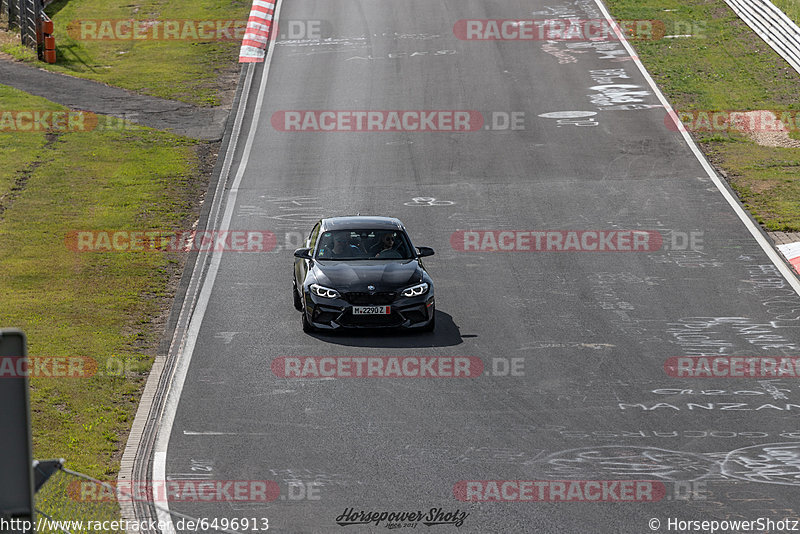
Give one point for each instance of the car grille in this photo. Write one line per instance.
(369, 299)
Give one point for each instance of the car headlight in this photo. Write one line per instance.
(415, 291)
(324, 292)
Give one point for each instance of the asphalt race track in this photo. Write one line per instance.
(573, 342)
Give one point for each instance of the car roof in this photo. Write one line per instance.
(362, 222)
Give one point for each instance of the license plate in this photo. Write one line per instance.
(371, 310)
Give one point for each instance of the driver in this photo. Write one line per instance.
(386, 246)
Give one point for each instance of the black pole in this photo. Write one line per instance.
(16, 473)
(22, 15)
(12, 8)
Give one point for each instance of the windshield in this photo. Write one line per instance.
(364, 245)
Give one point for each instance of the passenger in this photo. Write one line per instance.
(342, 248)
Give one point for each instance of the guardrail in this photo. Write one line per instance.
(23, 14)
(772, 25)
(35, 28)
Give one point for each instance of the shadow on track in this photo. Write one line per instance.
(447, 334)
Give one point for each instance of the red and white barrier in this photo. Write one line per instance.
(791, 252)
(259, 23)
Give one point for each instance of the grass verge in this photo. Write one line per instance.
(105, 306)
(726, 66)
(790, 7)
(182, 68)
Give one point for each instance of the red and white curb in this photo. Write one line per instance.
(254, 43)
(791, 251)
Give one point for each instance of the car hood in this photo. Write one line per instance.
(357, 275)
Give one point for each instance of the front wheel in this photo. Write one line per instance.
(298, 303)
(308, 328)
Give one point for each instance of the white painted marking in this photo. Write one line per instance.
(185, 355)
(189, 476)
(771, 253)
(226, 337)
(211, 433)
(568, 114)
(428, 201)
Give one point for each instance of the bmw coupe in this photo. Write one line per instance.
(362, 272)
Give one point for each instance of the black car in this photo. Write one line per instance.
(362, 272)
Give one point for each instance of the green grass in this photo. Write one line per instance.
(108, 307)
(97, 305)
(19, 52)
(725, 66)
(183, 70)
(790, 7)
(17, 151)
(766, 180)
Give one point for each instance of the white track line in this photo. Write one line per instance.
(737, 208)
(174, 394)
(185, 357)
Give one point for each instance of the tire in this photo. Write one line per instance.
(298, 303)
(308, 328)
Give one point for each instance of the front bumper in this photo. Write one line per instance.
(332, 314)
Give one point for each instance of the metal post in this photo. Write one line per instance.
(16, 473)
(37, 8)
(12, 9)
(22, 19)
(29, 21)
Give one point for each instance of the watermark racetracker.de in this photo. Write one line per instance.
(575, 240)
(759, 121)
(557, 29)
(559, 490)
(320, 367)
(406, 120)
(194, 490)
(170, 241)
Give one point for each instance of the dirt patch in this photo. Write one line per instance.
(24, 175)
(763, 127)
(761, 186)
(775, 139)
(7, 38)
(721, 12)
(713, 158)
(225, 85)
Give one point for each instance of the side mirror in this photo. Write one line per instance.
(304, 253)
(425, 251)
